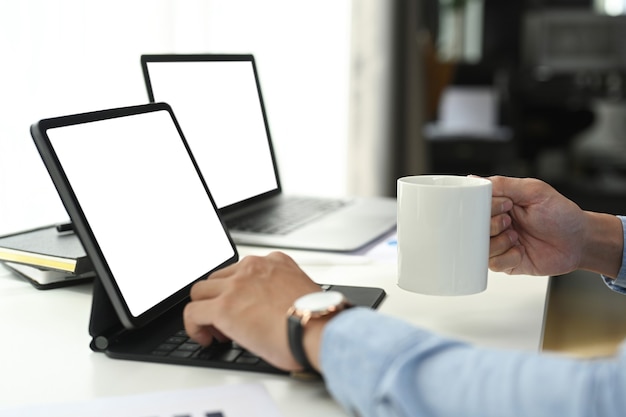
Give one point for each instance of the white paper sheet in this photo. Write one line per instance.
(238, 400)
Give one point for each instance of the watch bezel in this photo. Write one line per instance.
(335, 302)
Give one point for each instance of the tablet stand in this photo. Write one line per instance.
(104, 324)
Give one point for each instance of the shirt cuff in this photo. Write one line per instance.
(619, 283)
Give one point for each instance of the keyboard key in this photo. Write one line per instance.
(166, 347)
(228, 355)
(177, 340)
(180, 354)
(248, 360)
(189, 347)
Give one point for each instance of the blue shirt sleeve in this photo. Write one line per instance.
(375, 365)
(619, 283)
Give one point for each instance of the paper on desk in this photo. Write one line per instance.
(385, 250)
(238, 400)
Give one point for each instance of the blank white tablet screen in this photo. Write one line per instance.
(144, 202)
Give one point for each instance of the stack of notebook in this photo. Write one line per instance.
(48, 257)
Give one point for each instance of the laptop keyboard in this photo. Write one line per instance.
(285, 217)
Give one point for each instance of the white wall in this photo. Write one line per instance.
(66, 56)
(371, 90)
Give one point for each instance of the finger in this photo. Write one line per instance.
(521, 191)
(500, 205)
(242, 264)
(206, 289)
(225, 271)
(507, 262)
(499, 224)
(499, 185)
(246, 265)
(214, 333)
(503, 242)
(513, 188)
(198, 321)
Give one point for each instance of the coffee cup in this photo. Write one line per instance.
(443, 234)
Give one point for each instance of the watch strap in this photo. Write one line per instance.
(295, 332)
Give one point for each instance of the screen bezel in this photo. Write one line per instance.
(80, 222)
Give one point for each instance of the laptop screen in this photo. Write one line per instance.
(218, 104)
(138, 192)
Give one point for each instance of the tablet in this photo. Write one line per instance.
(138, 203)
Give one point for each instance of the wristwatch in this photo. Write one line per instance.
(309, 307)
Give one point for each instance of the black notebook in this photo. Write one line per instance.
(151, 228)
(48, 257)
(46, 247)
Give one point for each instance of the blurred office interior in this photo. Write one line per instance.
(528, 88)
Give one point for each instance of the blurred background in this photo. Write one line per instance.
(358, 92)
(529, 88)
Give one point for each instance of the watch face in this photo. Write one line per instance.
(319, 301)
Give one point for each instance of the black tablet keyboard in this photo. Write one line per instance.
(180, 346)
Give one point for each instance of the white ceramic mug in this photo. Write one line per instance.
(443, 234)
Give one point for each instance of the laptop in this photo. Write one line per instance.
(218, 102)
(149, 224)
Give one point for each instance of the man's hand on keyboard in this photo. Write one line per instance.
(247, 302)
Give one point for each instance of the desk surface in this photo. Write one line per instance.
(46, 356)
(584, 318)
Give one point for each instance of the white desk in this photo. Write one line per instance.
(46, 357)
